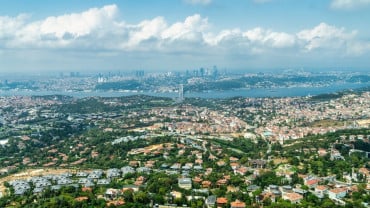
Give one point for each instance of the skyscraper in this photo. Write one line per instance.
(181, 92)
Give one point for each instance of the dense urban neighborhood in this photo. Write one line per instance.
(143, 151)
(185, 104)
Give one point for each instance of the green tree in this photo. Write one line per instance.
(141, 197)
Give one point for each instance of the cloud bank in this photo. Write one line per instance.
(349, 4)
(202, 2)
(102, 30)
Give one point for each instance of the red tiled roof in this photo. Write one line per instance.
(221, 200)
(338, 190)
(237, 204)
(81, 198)
(293, 196)
(312, 182)
(321, 188)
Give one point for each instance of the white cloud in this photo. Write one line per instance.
(145, 30)
(78, 25)
(358, 48)
(234, 35)
(190, 29)
(66, 29)
(9, 25)
(254, 37)
(101, 29)
(349, 4)
(202, 2)
(261, 1)
(269, 38)
(325, 36)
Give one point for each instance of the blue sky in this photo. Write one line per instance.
(79, 35)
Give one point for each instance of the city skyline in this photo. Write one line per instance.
(183, 34)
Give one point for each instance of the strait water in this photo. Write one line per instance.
(258, 92)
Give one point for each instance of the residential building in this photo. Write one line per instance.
(294, 198)
(337, 193)
(185, 183)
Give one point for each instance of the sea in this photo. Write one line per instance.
(243, 92)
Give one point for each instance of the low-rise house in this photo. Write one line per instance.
(66, 174)
(237, 204)
(233, 159)
(221, 163)
(221, 201)
(143, 170)
(294, 198)
(104, 181)
(335, 155)
(253, 188)
(38, 190)
(35, 180)
(199, 161)
(115, 203)
(96, 174)
(201, 191)
(133, 188)
(241, 170)
(93, 176)
(186, 167)
(221, 182)
(337, 193)
(206, 184)
(273, 192)
(81, 198)
(322, 152)
(366, 173)
(86, 189)
(89, 184)
(266, 195)
(273, 188)
(81, 174)
(175, 166)
(210, 201)
(55, 187)
(176, 194)
(197, 179)
(83, 180)
(185, 183)
(234, 165)
(112, 193)
(75, 185)
(20, 191)
(164, 166)
(257, 164)
(172, 172)
(299, 191)
(232, 189)
(286, 189)
(127, 169)
(113, 173)
(208, 171)
(20, 186)
(139, 181)
(320, 191)
(42, 183)
(212, 157)
(198, 168)
(312, 183)
(64, 181)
